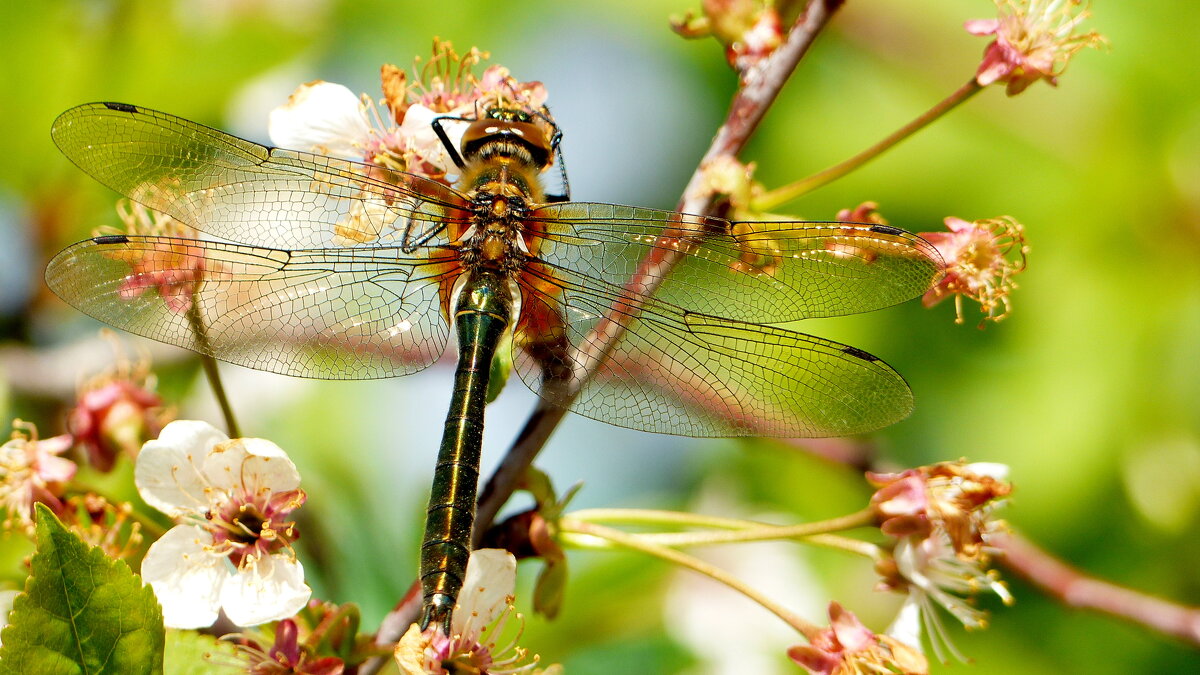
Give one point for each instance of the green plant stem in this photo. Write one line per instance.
(803, 186)
(151, 528)
(856, 546)
(218, 389)
(660, 517)
(741, 530)
(210, 367)
(633, 542)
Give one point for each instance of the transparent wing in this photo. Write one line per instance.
(248, 193)
(693, 374)
(760, 272)
(334, 314)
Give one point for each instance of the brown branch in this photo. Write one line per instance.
(1076, 589)
(760, 85)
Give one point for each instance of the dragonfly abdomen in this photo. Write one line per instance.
(483, 312)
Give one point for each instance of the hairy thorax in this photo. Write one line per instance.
(504, 188)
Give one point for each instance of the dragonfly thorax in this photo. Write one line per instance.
(502, 179)
(495, 238)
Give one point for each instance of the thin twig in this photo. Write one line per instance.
(210, 369)
(805, 185)
(863, 518)
(1076, 589)
(636, 543)
(739, 530)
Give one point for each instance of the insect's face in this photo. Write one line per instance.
(501, 126)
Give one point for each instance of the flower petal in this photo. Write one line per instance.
(982, 26)
(410, 651)
(489, 582)
(322, 117)
(55, 469)
(815, 661)
(250, 466)
(185, 576)
(270, 589)
(419, 136)
(168, 472)
(907, 625)
(851, 633)
(269, 466)
(994, 470)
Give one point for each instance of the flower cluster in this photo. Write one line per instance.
(114, 413)
(31, 471)
(170, 267)
(955, 497)
(1035, 39)
(117, 411)
(941, 517)
(848, 647)
(328, 118)
(750, 30)
(101, 523)
(287, 654)
(479, 619)
(982, 257)
(232, 549)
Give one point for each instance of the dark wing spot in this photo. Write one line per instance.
(111, 239)
(855, 351)
(121, 107)
(886, 229)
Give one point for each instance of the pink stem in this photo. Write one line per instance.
(1076, 589)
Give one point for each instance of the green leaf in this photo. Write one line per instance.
(502, 364)
(537, 483)
(550, 588)
(81, 612)
(190, 653)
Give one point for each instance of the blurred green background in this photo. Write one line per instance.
(1089, 391)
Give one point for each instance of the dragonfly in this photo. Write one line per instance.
(321, 267)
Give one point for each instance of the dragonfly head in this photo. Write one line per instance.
(508, 133)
